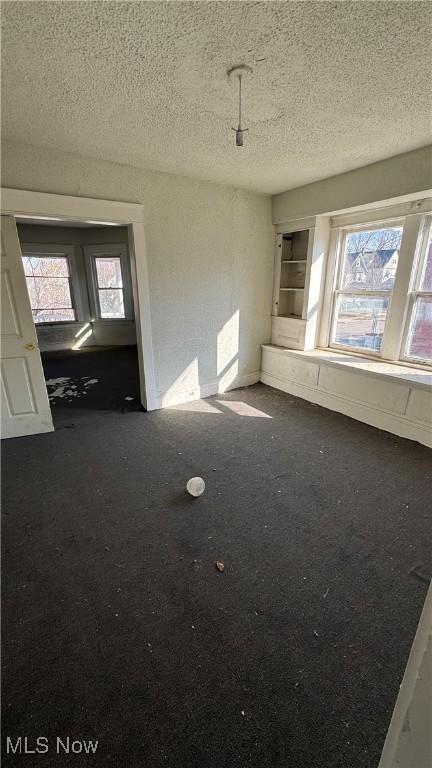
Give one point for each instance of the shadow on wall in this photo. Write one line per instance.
(211, 277)
(222, 362)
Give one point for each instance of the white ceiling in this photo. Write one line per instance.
(336, 85)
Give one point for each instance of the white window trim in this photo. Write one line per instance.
(344, 232)
(117, 250)
(382, 213)
(68, 252)
(395, 334)
(414, 290)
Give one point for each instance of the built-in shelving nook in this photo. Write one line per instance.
(299, 262)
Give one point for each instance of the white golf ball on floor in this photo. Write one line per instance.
(195, 486)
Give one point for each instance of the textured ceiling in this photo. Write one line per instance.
(336, 85)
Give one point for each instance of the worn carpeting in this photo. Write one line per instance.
(118, 627)
(101, 378)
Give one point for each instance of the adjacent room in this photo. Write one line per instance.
(80, 287)
(216, 383)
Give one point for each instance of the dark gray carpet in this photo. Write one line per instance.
(103, 379)
(118, 627)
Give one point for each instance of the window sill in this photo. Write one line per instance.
(57, 322)
(112, 320)
(415, 377)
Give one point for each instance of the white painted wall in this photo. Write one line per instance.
(62, 336)
(398, 176)
(409, 738)
(210, 254)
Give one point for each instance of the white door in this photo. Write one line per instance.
(25, 407)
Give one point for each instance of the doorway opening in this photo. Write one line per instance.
(79, 281)
(25, 406)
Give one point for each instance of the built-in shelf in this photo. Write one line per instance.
(290, 281)
(297, 288)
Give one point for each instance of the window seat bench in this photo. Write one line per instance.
(393, 397)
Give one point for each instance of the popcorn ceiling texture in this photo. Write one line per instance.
(336, 85)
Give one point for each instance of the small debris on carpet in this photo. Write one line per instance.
(220, 566)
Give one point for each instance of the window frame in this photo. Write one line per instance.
(48, 251)
(342, 236)
(415, 291)
(108, 257)
(108, 251)
(405, 288)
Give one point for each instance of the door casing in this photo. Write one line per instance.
(65, 208)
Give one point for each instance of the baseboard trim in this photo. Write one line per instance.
(397, 425)
(205, 390)
(408, 745)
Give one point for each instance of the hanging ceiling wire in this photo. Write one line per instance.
(239, 72)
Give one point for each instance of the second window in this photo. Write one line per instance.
(109, 283)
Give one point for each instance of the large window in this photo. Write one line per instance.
(366, 277)
(418, 343)
(48, 284)
(382, 294)
(109, 286)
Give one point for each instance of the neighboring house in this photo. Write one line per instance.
(372, 269)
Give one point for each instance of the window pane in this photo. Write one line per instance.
(49, 266)
(360, 321)
(426, 282)
(111, 302)
(49, 292)
(420, 333)
(48, 286)
(370, 259)
(109, 273)
(53, 315)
